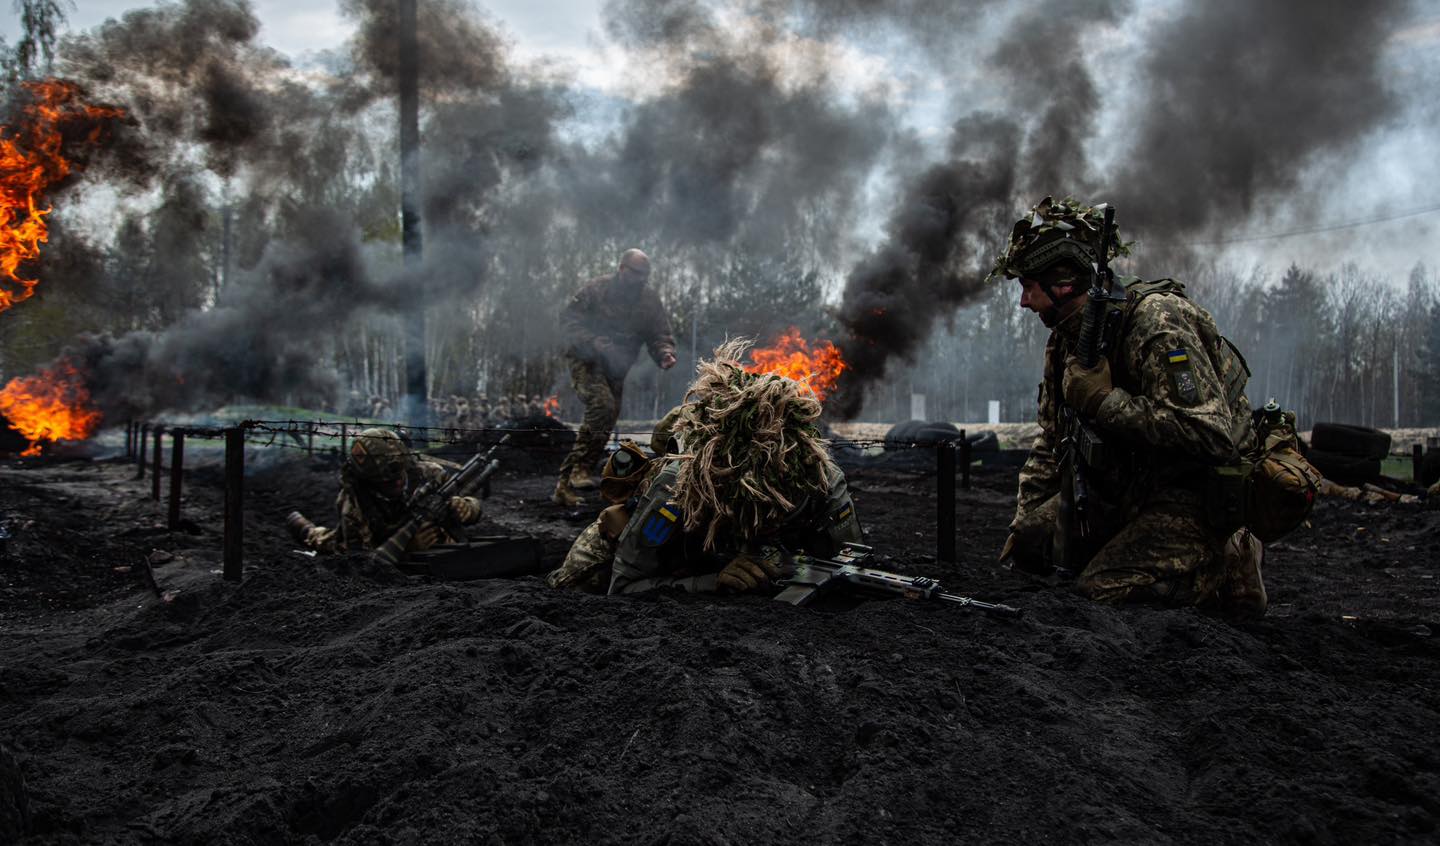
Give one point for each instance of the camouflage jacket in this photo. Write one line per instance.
(655, 551)
(1178, 404)
(599, 310)
(366, 519)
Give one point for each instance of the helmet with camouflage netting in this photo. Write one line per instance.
(379, 455)
(1056, 237)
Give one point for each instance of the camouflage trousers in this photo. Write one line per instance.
(601, 394)
(587, 565)
(1163, 554)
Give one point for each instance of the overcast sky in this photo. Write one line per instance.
(1393, 176)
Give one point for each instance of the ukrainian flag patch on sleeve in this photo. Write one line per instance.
(659, 525)
(1182, 377)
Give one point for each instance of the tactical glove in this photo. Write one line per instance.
(1085, 389)
(748, 571)
(424, 539)
(465, 508)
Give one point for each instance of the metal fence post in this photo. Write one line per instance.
(155, 468)
(964, 460)
(945, 499)
(234, 503)
(177, 465)
(344, 440)
(1417, 461)
(140, 442)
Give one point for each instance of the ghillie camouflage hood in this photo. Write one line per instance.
(752, 453)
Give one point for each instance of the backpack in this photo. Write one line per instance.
(1270, 491)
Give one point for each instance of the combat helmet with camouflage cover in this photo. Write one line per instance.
(380, 458)
(1051, 237)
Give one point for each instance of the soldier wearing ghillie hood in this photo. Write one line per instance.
(605, 322)
(376, 482)
(1167, 398)
(740, 475)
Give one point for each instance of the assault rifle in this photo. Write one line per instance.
(1081, 447)
(430, 504)
(805, 578)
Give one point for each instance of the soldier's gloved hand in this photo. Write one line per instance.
(1085, 389)
(424, 539)
(465, 508)
(667, 360)
(747, 571)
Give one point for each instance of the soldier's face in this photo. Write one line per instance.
(1034, 298)
(630, 277)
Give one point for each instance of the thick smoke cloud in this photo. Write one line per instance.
(1258, 93)
(748, 139)
(929, 261)
(265, 337)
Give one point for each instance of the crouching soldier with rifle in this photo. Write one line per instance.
(396, 502)
(1136, 485)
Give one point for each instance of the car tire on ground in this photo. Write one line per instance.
(1430, 468)
(1344, 469)
(1354, 441)
(902, 434)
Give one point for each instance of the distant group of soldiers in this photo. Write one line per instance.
(1144, 485)
(478, 412)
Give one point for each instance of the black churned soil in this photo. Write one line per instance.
(329, 701)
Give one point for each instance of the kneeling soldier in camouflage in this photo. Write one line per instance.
(1167, 403)
(750, 476)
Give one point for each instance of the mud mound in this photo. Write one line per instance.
(330, 701)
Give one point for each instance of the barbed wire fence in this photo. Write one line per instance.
(144, 443)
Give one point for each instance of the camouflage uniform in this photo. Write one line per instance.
(368, 518)
(653, 550)
(601, 310)
(1178, 407)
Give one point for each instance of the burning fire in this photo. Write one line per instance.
(552, 406)
(791, 356)
(32, 159)
(52, 406)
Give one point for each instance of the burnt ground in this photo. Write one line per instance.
(326, 700)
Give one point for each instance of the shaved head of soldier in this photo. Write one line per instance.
(634, 267)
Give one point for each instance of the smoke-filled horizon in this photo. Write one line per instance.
(255, 199)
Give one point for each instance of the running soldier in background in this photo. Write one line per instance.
(1168, 400)
(606, 320)
(754, 478)
(375, 486)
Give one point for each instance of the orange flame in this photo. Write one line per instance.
(50, 406)
(552, 406)
(31, 161)
(792, 357)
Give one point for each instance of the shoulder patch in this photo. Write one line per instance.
(1182, 376)
(659, 525)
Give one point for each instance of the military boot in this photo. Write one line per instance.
(580, 480)
(565, 494)
(300, 528)
(1242, 594)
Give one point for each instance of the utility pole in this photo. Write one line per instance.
(415, 404)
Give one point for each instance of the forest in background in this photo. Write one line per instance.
(242, 172)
